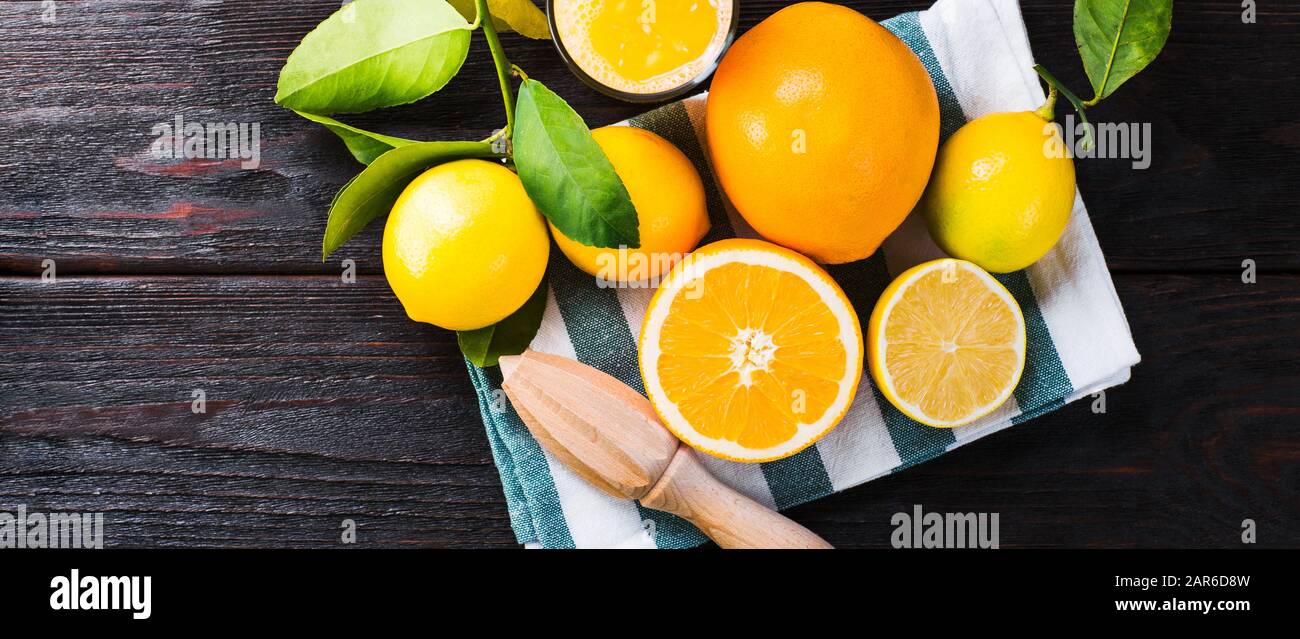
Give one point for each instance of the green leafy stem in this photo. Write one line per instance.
(1046, 111)
(501, 63)
(373, 54)
(1116, 40)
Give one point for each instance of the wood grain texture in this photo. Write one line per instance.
(79, 185)
(325, 402)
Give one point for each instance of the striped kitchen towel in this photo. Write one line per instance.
(978, 55)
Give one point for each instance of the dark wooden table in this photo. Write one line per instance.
(324, 402)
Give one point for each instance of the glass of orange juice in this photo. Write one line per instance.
(642, 50)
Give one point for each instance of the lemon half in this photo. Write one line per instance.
(946, 343)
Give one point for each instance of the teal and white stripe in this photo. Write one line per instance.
(978, 56)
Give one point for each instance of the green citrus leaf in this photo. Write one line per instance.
(364, 145)
(372, 192)
(1119, 38)
(520, 16)
(510, 336)
(372, 54)
(566, 173)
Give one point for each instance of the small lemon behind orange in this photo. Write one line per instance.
(669, 199)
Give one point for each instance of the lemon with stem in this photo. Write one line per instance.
(1002, 190)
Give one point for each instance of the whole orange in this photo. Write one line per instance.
(823, 128)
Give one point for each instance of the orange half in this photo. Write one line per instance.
(750, 351)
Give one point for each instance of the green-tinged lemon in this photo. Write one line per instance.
(1001, 192)
(464, 247)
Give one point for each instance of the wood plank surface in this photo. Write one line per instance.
(325, 403)
(80, 186)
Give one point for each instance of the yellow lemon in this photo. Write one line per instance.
(750, 351)
(1001, 192)
(464, 247)
(669, 199)
(946, 343)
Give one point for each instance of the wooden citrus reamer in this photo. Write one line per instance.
(609, 434)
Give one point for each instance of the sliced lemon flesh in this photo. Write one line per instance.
(750, 351)
(946, 343)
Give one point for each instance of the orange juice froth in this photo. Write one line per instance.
(643, 46)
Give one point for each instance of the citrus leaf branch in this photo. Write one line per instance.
(1119, 38)
(364, 145)
(568, 175)
(1086, 144)
(501, 62)
(372, 54)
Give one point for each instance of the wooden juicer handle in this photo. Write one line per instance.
(687, 489)
(610, 435)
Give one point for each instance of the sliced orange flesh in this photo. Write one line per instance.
(755, 355)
